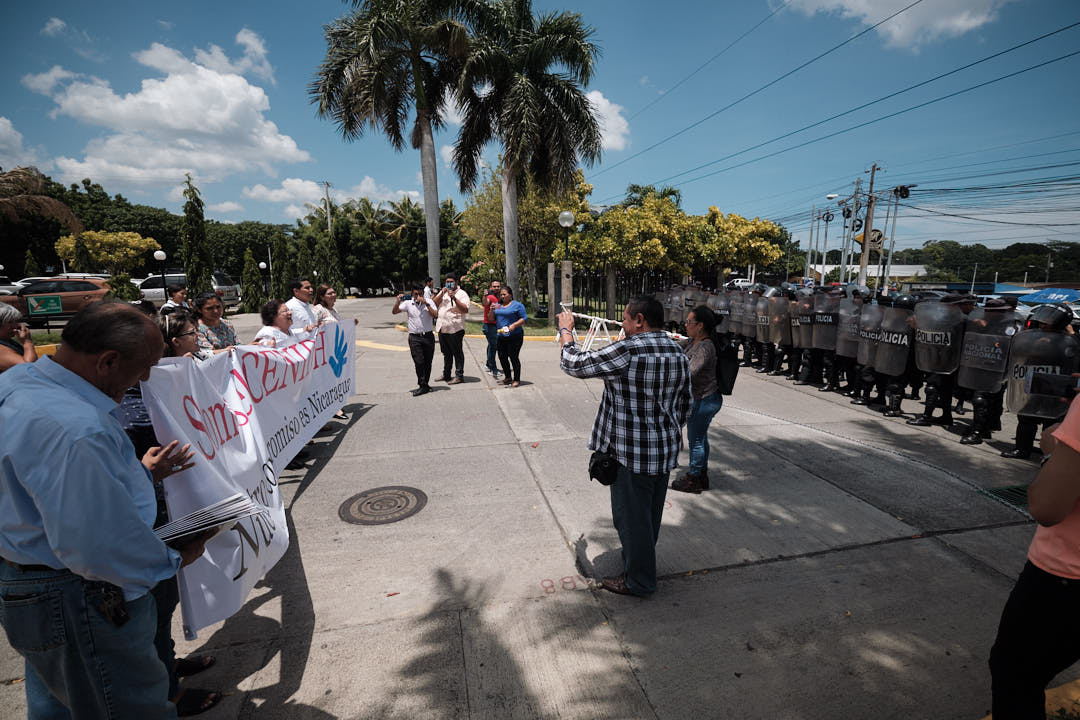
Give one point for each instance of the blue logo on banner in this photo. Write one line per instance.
(341, 352)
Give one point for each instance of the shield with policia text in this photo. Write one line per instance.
(894, 341)
(847, 330)
(826, 320)
(720, 304)
(761, 315)
(1039, 351)
(939, 332)
(869, 327)
(984, 356)
(806, 318)
(749, 318)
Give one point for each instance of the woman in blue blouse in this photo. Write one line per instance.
(510, 320)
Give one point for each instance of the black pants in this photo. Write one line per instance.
(453, 351)
(1038, 637)
(422, 347)
(509, 349)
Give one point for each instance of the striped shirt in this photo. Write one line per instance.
(646, 399)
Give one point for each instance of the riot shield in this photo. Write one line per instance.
(847, 330)
(985, 353)
(720, 304)
(692, 298)
(761, 315)
(826, 319)
(779, 320)
(1039, 351)
(737, 306)
(869, 327)
(939, 330)
(794, 322)
(749, 319)
(894, 341)
(806, 320)
(673, 304)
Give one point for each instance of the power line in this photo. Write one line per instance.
(760, 89)
(869, 103)
(701, 67)
(976, 219)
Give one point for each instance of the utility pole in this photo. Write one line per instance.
(849, 239)
(1048, 266)
(810, 242)
(973, 274)
(329, 225)
(868, 228)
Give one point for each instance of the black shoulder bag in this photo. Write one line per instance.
(603, 466)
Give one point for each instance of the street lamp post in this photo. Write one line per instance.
(828, 217)
(566, 219)
(265, 280)
(160, 256)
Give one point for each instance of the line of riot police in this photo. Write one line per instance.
(879, 350)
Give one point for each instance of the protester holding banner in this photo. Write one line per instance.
(180, 335)
(277, 320)
(215, 333)
(303, 313)
(16, 345)
(76, 507)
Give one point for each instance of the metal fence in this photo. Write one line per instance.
(590, 289)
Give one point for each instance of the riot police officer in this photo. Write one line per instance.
(824, 334)
(894, 349)
(939, 386)
(869, 329)
(939, 331)
(988, 336)
(1047, 346)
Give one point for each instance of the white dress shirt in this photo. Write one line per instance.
(303, 314)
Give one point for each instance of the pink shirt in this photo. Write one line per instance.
(1056, 549)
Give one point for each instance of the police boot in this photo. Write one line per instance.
(805, 368)
(879, 387)
(766, 357)
(893, 397)
(778, 361)
(1025, 440)
(928, 411)
(980, 420)
(748, 356)
(914, 394)
(795, 366)
(866, 385)
(959, 409)
(832, 374)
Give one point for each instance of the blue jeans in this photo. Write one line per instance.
(78, 664)
(491, 332)
(697, 430)
(637, 507)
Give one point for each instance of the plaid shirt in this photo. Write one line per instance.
(646, 399)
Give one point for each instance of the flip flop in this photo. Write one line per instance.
(186, 667)
(194, 701)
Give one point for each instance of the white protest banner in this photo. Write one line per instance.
(246, 413)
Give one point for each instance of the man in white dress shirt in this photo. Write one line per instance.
(303, 314)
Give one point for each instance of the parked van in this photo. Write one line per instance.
(224, 286)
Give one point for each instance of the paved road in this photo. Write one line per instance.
(844, 565)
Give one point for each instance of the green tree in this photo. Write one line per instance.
(305, 262)
(328, 263)
(22, 194)
(252, 294)
(457, 246)
(386, 61)
(195, 252)
(403, 223)
(80, 257)
(522, 85)
(284, 268)
(31, 267)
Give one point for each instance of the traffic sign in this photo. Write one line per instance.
(44, 305)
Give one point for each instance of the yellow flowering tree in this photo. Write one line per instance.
(655, 235)
(117, 252)
(732, 241)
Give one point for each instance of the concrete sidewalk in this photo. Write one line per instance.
(844, 565)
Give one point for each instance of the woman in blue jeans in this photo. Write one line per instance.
(701, 327)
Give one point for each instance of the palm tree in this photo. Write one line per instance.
(22, 194)
(386, 60)
(511, 90)
(636, 194)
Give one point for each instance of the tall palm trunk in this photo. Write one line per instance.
(510, 225)
(431, 197)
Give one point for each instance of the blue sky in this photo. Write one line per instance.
(133, 95)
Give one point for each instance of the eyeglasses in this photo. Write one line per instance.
(184, 334)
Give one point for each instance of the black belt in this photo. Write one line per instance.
(423, 334)
(29, 568)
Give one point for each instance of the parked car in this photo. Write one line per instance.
(75, 294)
(224, 286)
(6, 286)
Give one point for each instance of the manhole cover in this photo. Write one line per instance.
(1015, 495)
(382, 505)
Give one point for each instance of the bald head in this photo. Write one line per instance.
(112, 345)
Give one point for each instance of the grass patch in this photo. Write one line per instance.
(41, 337)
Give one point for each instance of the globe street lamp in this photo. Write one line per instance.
(265, 280)
(160, 256)
(566, 219)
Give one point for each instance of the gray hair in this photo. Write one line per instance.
(8, 314)
(108, 325)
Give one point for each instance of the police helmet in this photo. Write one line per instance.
(1057, 316)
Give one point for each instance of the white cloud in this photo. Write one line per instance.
(644, 81)
(54, 27)
(614, 129)
(297, 193)
(925, 23)
(254, 59)
(225, 207)
(13, 152)
(79, 40)
(165, 25)
(44, 83)
(194, 119)
(176, 193)
(446, 152)
(452, 113)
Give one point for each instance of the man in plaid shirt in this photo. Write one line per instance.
(646, 402)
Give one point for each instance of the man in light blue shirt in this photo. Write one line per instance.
(77, 551)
